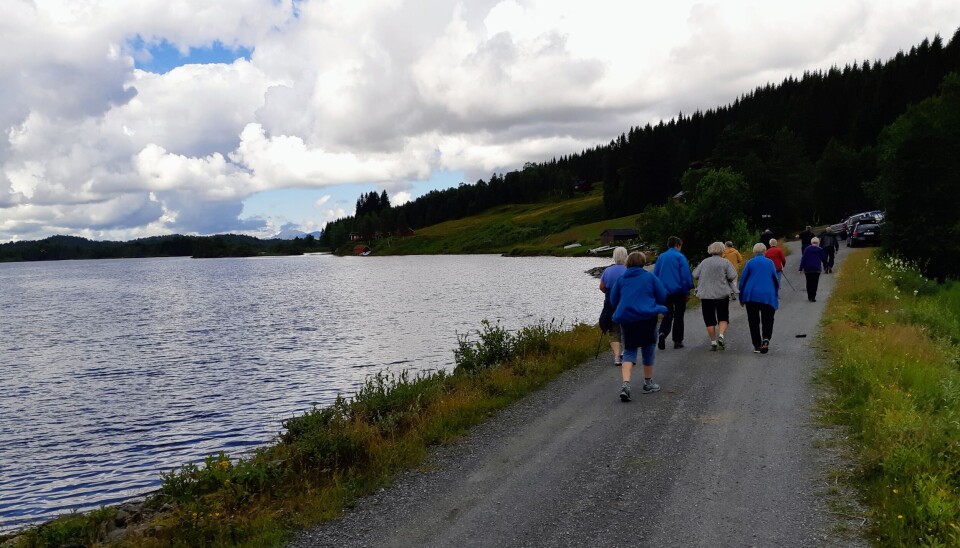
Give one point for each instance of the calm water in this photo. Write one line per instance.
(112, 371)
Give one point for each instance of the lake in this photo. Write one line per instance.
(115, 370)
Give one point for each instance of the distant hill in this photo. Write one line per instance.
(291, 234)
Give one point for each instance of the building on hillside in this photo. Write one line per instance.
(612, 236)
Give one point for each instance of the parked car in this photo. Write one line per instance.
(865, 217)
(864, 233)
(840, 229)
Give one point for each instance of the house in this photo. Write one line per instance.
(356, 236)
(616, 235)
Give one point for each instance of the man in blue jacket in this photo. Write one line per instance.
(673, 270)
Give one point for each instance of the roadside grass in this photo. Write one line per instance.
(327, 458)
(519, 229)
(892, 340)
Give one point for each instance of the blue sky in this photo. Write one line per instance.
(164, 56)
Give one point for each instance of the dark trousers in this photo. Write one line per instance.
(760, 318)
(830, 255)
(676, 305)
(813, 280)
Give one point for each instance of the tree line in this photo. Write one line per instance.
(56, 248)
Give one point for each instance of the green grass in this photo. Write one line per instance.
(895, 373)
(328, 457)
(519, 229)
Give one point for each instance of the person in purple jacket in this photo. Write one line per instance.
(638, 298)
(673, 270)
(811, 263)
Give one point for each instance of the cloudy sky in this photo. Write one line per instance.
(131, 118)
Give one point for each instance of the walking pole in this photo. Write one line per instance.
(785, 277)
(600, 340)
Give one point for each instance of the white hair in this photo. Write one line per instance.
(759, 248)
(620, 255)
(716, 248)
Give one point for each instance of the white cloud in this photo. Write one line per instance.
(322, 200)
(372, 92)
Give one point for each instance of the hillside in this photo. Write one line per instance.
(542, 228)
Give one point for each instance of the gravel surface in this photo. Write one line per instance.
(727, 454)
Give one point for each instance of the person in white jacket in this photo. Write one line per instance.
(717, 281)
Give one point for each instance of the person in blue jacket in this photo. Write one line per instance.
(673, 270)
(638, 298)
(759, 287)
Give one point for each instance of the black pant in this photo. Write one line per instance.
(676, 305)
(830, 255)
(813, 280)
(760, 318)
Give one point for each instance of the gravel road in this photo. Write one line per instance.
(727, 454)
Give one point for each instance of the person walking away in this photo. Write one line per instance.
(776, 255)
(759, 286)
(766, 236)
(731, 254)
(830, 244)
(717, 278)
(638, 298)
(805, 237)
(673, 270)
(811, 262)
(610, 275)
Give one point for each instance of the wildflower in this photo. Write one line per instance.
(915, 291)
(899, 516)
(895, 491)
(886, 311)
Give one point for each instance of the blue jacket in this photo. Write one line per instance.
(758, 282)
(637, 295)
(674, 272)
(813, 259)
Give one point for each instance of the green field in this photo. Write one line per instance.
(520, 229)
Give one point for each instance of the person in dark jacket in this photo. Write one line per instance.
(673, 270)
(811, 262)
(759, 288)
(830, 245)
(766, 236)
(805, 237)
(638, 298)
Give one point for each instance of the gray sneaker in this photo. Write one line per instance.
(721, 343)
(650, 387)
(625, 392)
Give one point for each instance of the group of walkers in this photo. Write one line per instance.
(634, 298)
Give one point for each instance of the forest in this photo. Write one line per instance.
(56, 248)
(809, 150)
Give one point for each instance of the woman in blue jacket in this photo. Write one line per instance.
(758, 292)
(638, 298)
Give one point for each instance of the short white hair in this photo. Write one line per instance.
(814, 241)
(759, 248)
(716, 248)
(620, 255)
(773, 242)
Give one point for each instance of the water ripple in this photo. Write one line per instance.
(113, 371)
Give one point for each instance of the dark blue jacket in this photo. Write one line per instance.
(637, 295)
(813, 259)
(673, 270)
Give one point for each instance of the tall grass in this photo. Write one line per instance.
(330, 456)
(892, 338)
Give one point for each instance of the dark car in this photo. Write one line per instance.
(864, 233)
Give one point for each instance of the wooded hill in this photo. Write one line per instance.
(805, 151)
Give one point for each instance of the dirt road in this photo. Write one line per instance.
(724, 455)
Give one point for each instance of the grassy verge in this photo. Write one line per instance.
(893, 340)
(327, 458)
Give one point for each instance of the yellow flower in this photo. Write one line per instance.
(895, 491)
(899, 516)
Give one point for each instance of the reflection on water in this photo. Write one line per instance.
(112, 371)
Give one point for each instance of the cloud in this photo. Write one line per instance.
(368, 92)
(322, 200)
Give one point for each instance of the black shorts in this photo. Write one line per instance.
(715, 311)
